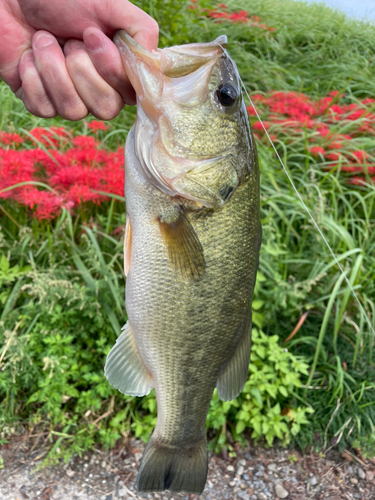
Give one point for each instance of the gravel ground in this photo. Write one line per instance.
(255, 474)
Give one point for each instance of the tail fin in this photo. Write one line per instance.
(176, 469)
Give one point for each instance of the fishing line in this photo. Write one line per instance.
(310, 214)
(303, 203)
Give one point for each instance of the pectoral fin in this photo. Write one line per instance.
(127, 245)
(184, 249)
(232, 380)
(124, 368)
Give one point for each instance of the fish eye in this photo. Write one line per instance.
(227, 94)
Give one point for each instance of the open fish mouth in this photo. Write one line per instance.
(175, 86)
(177, 61)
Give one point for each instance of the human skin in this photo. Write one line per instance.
(58, 57)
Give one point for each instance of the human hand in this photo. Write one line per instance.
(88, 76)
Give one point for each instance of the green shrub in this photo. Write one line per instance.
(267, 405)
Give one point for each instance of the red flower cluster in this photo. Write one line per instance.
(74, 169)
(290, 115)
(221, 14)
(97, 125)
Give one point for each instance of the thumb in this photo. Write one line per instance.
(121, 14)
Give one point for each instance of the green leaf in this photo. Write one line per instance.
(240, 426)
(4, 264)
(257, 304)
(283, 391)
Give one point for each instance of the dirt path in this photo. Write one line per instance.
(255, 474)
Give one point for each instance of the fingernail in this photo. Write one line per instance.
(73, 45)
(93, 42)
(27, 55)
(43, 40)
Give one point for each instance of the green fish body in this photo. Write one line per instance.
(191, 251)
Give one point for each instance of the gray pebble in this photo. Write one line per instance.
(242, 462)
(272, 467)
(262, 496)
(230, 468)
(246, 477)
(369, 475)
(243, 495)
(350, 469)
(280, 491)
(313, 481)
(361, 474)
(240, 470)
(259, 485)
(293, 480)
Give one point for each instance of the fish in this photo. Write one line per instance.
(191, 250)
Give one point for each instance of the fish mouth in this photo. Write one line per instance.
(173, 62)
(147, 70)
(179, 75)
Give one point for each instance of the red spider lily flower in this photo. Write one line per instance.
(259, 126)
(317, 150)
(85, 142)
(357, 114)
(97, 125)
(360, 156)
(323, 130)
(335, 145)
(237, 17)
(10, 138)
(358, 169)
(76, 175)
(250, 110)
(333, 156)
(360, 180)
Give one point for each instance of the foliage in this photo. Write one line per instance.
(265, 405)
(61, 276)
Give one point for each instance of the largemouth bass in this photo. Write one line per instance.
(191, 250)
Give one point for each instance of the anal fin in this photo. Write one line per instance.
(233, 378)
(124, 368)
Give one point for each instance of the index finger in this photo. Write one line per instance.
(139, 25)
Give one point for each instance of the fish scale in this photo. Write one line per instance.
(192, 258)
